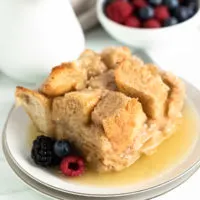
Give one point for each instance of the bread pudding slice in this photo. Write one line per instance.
(112, 106)
(144, 83)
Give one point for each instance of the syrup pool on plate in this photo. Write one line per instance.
(171, 152)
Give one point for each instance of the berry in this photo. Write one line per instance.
(139, 3)
(181, 13)
(155, 2)
(171, 4)
(72, 166)
(192, 8)
(146, 12)
(152, 23)
(162, 13)
(62, 148)
(42, 152)
(170, 22)
(118, 11)
(132, 22)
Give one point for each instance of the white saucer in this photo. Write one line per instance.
(18, 156)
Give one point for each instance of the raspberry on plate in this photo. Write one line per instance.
(152, 23)
(133, 22)
(118, 11)
(162, 13)
(139, 3)
(72, 166)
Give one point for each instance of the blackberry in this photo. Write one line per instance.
(42, 152)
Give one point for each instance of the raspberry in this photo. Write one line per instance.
(162, 13)
(132, 22)
(72, 166)
(139, 3)
(152, 23)
(118, 11)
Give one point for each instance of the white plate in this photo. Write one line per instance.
(44, 190)
(15, 138)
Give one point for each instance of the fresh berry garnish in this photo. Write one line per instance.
(118, 11)
(192, 8)
(152, 23)
(162, 13)
(181, 13)
(171, 4)
(146, 12)
(72, 166)
(42, 152)
(155, 2)
(62, 148)
(132, 22)
(139, 3)
(170, 22)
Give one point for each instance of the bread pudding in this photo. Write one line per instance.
(111, 105)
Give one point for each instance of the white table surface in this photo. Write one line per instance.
(185, 63)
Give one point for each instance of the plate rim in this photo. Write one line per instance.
(162, 184)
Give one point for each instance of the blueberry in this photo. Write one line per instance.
(62, 148)
(181, 13)
(155, 2)
(192, 8)
(171, 4)
(146, 12)
(170, 22)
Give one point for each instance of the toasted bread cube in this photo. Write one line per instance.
(38, 107)
(75, 106)
(64, 78)
(121, 117)
(91, 62)
(103, 81)
(144, 83)
(176, 96)
(113, 55)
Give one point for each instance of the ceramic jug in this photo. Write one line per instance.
(36, 35)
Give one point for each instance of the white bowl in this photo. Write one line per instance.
(150, 38)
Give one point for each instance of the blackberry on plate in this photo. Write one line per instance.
(42, 152)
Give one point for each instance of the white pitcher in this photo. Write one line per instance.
(36, 35)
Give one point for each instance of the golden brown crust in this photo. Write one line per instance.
(143, 82)
(64, 78)
(20, 92)
(38, 108)
(113, 55)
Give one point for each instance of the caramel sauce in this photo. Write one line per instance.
(170, 153)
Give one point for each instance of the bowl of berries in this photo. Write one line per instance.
(149, 24)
